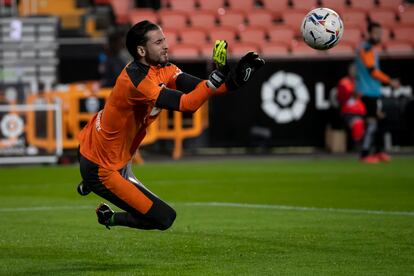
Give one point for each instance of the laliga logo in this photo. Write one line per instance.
(284, 97)
(12, 126)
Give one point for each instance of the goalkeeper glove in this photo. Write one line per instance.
(244, 70)
(218, 76)
(220, 56)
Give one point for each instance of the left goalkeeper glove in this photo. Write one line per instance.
(220, 56)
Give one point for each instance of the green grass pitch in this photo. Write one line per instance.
(235, 217)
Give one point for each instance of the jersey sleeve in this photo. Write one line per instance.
(368, 59)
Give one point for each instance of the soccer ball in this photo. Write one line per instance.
(322, 28)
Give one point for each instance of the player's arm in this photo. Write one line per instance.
(368, 59)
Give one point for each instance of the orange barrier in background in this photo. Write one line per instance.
(169, 126)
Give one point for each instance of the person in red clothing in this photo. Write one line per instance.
(352, 108)
(145, 86)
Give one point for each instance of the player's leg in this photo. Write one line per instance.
(370, 130)
(144, 210)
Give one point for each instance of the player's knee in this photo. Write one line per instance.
(358, 129)
(167, 220)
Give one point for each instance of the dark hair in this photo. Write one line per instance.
(372, 25)
(137, 36)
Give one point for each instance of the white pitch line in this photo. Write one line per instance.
(299, 208)
(227, 204)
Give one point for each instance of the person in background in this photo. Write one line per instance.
(351, 106)
(369, 78)
(112, 62)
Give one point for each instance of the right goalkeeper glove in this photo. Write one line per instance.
(244, 70)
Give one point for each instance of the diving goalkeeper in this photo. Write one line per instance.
(145, 86)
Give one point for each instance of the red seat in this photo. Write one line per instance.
(226, 33)
(185, 51)
(384, 17)
(137, 15)
(341, 49)
(260, 18)
(242, 5)
(193, 36)
(240, 49)
(279, 34)
(404, 34)
(172, 19)
(211, 5)
(182, 5)
(407, 18)
(365, 6)
(276, 6)
(203, 19)
(274, 50)
(253, 35)
(304, 5)
(351, 37)
(301, 48)
(398, 47)
(391, 5)
(354, 19)
(233, 19)
(293, 19)
(337, 5)
(206, 50)
(121, 10)
(172, 37)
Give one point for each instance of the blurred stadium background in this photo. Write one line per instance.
(320, 212)
(66, 54)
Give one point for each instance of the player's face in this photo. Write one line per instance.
(156, 48)
(375, 35)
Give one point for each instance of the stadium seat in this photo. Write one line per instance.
(121, 10)
(172, 37)
(301, 48)
(304, 5)
(276, 7)
(203, 19)
(364, 6)
(195, 36)
(279, 34)
(260, 18)
(352, 37)
(226, 33)
(337, 5)
(206, 50)
(245, 5)
(293, 19)
(182, 5)
(240, 49)
(233, 19)
(253, 35)
(354, 19)
(341, 49)
(404, 34)
(385, 17)
(172, 19)
(391, 5)
(394, 47)
(184, 51)
(211, 5)
(274, 50)
(407, 18)
(137, 15)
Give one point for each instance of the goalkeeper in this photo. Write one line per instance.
(145, 86)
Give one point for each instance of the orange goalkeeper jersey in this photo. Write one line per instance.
(113, 135)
